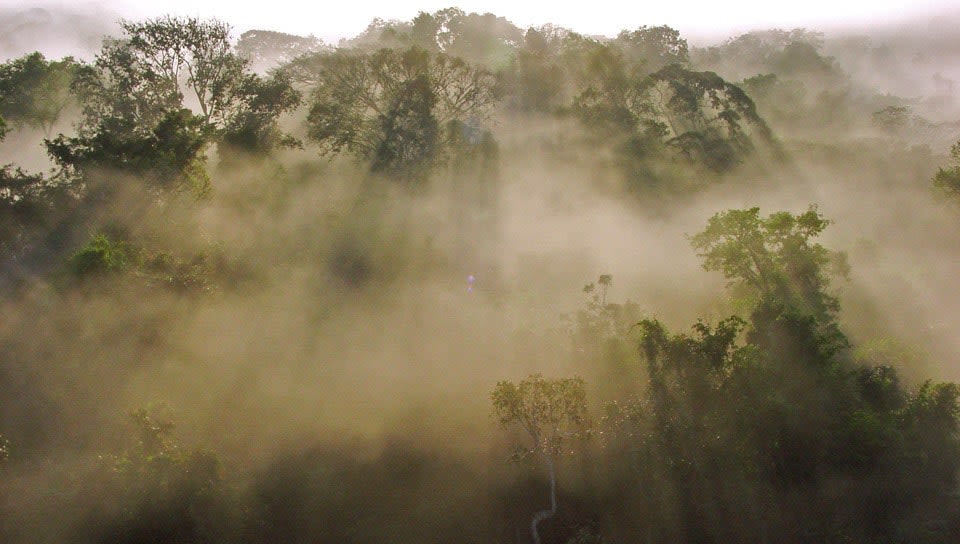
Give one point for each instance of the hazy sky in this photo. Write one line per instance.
(330, 20)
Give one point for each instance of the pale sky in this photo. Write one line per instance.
(332, 20)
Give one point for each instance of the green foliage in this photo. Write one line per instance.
(790, 54)
(102, 256)
(602, 333)
(160, 490)
(267, 49)
(753, 428)
(253, 129)
(803, 59)
(930, 422)
(712, 352)
(723, 422)
(880, 388)
(676, 429)
(696, 116)
(686, 376)
(410, 132)
(134, 96)
(708, 117)
(654, 47)
(777, 265)
(537, 78)
(781, 100)
(34, 91)
(122, 91)
(170, 49)
(482, 39)
(28, 204)
(729, 420)
(550, 411)
(389, 106)
(774, 258)
(169, 156)
(425, 30)
(947, 180)
(797, 89)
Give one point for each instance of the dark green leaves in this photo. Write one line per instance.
(165, 156)
(389, 106)
(135, 97)
(34, 91)
(698, 115)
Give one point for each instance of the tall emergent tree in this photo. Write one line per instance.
(776, 261)
(654, 47)
(157, 97)
(396, 109)
(775, 256)
(267, 49)
(551, 412)
(705, 119)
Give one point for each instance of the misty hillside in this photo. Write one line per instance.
(453, 280)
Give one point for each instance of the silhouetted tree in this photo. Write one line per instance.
(134, 99)
(266, 49)
(653, 48)
(947, 180)
(34, 91)
(395, 108)
(551, 412)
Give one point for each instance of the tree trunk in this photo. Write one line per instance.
(546, 514)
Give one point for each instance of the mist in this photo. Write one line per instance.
(299, 335)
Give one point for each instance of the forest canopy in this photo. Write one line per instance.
(256, 287)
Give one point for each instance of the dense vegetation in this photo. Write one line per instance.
(281, 291)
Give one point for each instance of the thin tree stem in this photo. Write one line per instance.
(546, 514)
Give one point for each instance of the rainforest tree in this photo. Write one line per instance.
(156, 98)
(396, 109)
(947, 180)
(34, 92)
(551, 412)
